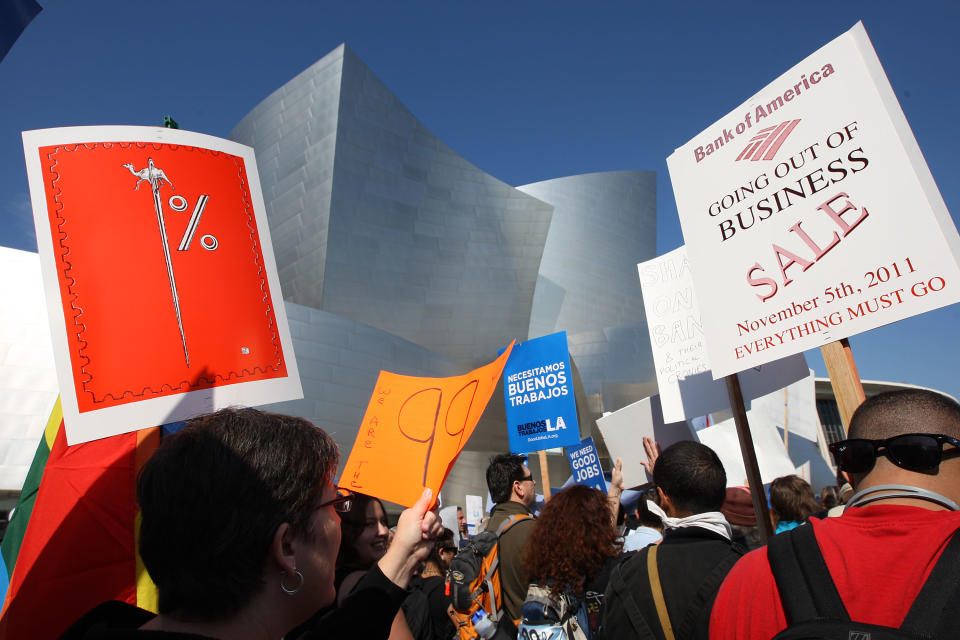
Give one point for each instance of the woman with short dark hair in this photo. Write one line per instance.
(240, 531)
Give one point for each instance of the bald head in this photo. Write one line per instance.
(906, 411)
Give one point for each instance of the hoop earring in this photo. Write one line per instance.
(287, 590)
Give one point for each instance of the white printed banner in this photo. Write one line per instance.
(686, 385)
(810, 214)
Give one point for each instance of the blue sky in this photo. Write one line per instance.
(527, 91)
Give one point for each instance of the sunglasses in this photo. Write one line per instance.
(912, 451)
(341, 503)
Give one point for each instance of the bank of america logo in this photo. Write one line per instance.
(767, 142)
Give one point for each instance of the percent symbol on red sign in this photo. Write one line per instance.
(207, 241)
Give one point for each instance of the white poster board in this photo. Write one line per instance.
(772, 458)
(684, 378)
(474, 513)
(623, 432)
(810, 214)
(28, 376)
(797, 405)
(162, 293)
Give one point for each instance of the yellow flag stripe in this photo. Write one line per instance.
(53, 425)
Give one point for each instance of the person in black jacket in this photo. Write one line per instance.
(240, 532)
(690, 563)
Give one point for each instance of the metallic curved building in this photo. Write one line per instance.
(394, 252)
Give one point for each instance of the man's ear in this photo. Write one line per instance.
(665, 502)
(854, 480)
(283, 549)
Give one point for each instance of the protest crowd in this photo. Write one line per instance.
(298, 557)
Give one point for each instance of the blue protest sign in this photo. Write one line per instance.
(585, 465)
(538, 388)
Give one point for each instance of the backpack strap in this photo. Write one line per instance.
(807, 592)
(935, 607)
(654, 572)
(509, 522)
(495, 564)
(619, 586)
(708, 590)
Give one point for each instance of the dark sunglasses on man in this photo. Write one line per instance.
(920, 452)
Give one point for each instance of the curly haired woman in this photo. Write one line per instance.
(573, 547)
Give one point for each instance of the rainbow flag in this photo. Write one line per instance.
(71, 543)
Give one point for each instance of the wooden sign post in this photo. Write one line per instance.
(544, 474)
(749, 458)
(842, 369)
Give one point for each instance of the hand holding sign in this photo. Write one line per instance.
(414, 429)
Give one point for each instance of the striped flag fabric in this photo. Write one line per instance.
(71, 543)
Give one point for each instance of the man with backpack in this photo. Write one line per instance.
(513, 490)
(665, 591)
(889, 567)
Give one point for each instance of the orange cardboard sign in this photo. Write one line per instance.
(414, 429)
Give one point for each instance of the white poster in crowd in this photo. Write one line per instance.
(810, 214)
(474, 513)
(686, 384)
(772, 458)
(28, 375)
(623, 432)
(793, 409)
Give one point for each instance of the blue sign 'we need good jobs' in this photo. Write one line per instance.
(538, 388)
(585, 465)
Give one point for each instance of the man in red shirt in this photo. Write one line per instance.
(879, 553)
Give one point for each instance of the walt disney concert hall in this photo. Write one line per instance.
(396, 253)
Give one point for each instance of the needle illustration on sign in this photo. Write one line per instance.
(154, 175)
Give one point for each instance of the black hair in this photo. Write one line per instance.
(503, 471)
(645, 517)
(692, 476)
(352, 524)
(894, 413)
(445, 539)
(212, 497)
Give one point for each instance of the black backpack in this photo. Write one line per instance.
(473, 582)
(621, 616)
(814, 610)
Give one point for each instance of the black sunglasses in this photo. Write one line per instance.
(342, 503)
(912, 451)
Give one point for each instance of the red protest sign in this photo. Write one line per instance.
(159, 276)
